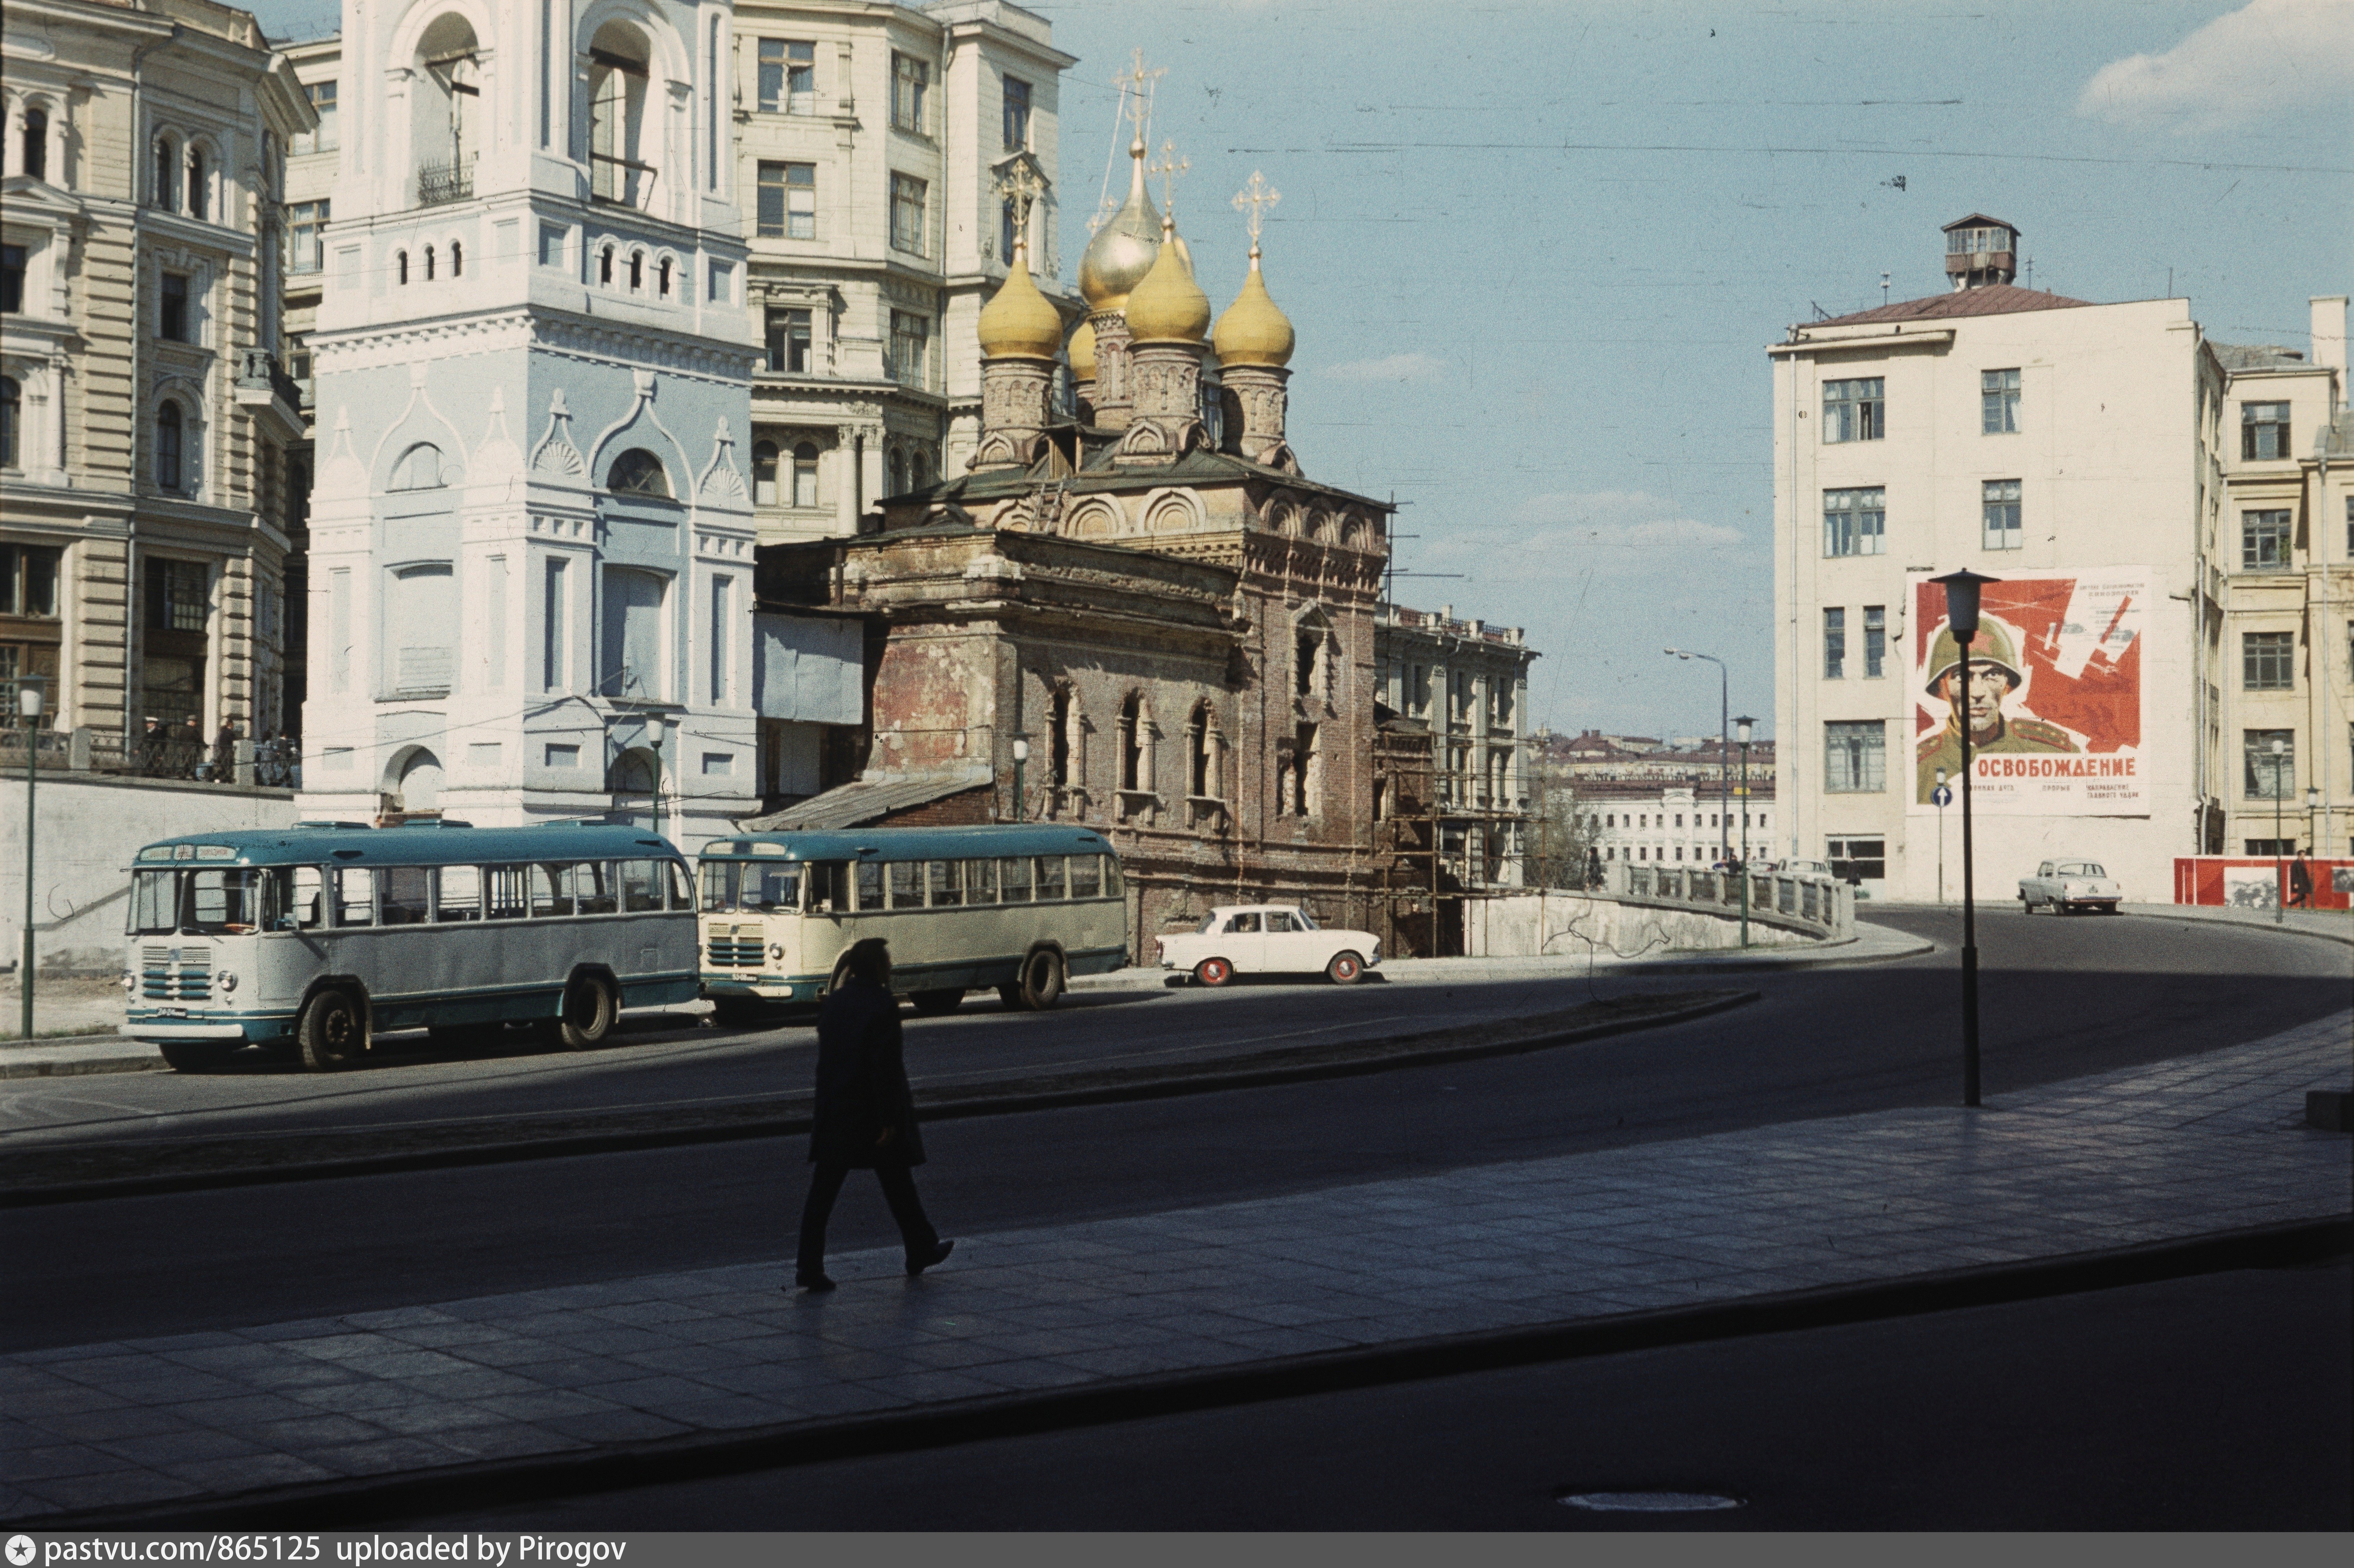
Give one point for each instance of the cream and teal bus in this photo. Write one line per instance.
(1019, 909)
(311, 940)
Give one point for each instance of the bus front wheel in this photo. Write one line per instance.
(589, 1009)
(334, 1030)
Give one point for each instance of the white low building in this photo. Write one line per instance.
(1692, 824)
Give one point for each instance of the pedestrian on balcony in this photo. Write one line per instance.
(863, 1117)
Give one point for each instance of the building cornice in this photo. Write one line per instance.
(1926, 337)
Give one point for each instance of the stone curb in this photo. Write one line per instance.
(340, 1505)
(1296, 1065)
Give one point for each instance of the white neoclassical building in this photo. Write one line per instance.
(532, 526)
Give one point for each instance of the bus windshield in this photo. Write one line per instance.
(223, 901)
(750, 888)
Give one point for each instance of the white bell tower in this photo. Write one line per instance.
(530, 567)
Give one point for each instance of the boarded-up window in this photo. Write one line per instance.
(420, 613)
(632, 662)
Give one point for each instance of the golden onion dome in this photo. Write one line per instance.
(1253, 331)
(1169, 306)
(1019, 322)
(1083, 353)
(1123, 249)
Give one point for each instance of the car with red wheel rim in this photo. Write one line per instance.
(1237, 939)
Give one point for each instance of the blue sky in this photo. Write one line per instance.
(1535, 250)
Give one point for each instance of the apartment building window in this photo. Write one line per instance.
(12, 279)
(28, 580)
(787, 77)
(36, 145)
(1835, 644)
(2349, 527)
(1855, 410)
(177, 595)
(2263, 776)
(2267, 661)
(910, 80)
(2263, 541)
(907, 214)
(1875, 640)
(1999, 506)
(1857, 860)
(1017, 114)
(789, 341)
(322, 95)
(169, 429)
(1999, 402)
(788, 201)
(172, 308)
(11, 412)
(1855, 522)
(911, 340)
(2264, 431)
(1855, 757)
(805, 474)
(306, 236)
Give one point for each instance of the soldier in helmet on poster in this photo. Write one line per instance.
(1994, 675)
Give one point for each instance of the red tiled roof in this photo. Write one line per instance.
(1992, 300)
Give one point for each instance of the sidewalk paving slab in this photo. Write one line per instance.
(2184, 1148)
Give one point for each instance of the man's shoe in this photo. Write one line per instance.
(917, 1265)
(815, 1284)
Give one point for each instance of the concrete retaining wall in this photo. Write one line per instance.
(1557, 924)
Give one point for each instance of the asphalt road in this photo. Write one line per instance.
(2215, 1403)
(2063, 998)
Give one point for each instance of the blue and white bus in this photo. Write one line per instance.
(310, 940)
(1017, 908)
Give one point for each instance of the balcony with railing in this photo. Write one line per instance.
(445, 182)
(263, 385)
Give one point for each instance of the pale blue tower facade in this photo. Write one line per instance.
(530, 567)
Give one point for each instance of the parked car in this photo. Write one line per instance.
(1268, 938)
(1801, 867)
(2065, 886)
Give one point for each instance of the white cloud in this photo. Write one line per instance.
(1390, 368)
(2254, 61)
(1615, 520)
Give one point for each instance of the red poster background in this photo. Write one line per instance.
(2103, 704)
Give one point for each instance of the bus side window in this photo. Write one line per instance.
(306, 908)
(506, 886)
(945, 878)
(1050, 878)
(1113, 888)
(869, 885)
(354, 896)
(592, 888)
(1087, 876)
(462, 894)
(981, 882)
(906, 884)
(1014, 878)
(551, 890)
(828, 888)
(681, 895)
(408, 895)
(640, 891)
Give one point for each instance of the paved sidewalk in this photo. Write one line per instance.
(2186, 1148)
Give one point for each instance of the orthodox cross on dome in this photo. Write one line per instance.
(1019, 183)
(1258, 196)
(1136, 86)
(1169, 169)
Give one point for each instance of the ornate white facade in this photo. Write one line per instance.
(530, 573)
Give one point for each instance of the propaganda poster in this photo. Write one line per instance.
(2054, 700)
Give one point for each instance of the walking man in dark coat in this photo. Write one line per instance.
(864, 1114)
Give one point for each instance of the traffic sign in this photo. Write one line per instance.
(1942, 796)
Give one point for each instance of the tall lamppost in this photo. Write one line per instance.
(1962, 619)
(1723, 762)
(1939, 798)
(1742, 727)
(656, 724)
(28, 704)
(2280, 880)
(1020, 756)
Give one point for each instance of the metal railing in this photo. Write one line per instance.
(1820, 906)
(173, 753)
(260, 368)
(439, 183)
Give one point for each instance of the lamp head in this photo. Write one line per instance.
(2279, 745)
(1021, 749)
(28, 699)
(1962, 599)
(1741, 728)
(2312, 797)
(1941, 776)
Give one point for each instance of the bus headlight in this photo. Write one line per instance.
(226, 981)
(775, 952)
(129, 982)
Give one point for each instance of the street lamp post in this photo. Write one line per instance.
(28, 704)
(1723, 762)
(1962, 619)
(1743, 725)
(1941, 799)
(1020, 756)
(2280, 879)
(658, 726)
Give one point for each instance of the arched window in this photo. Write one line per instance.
(1135, 721)
(919, 470)
(199, 197)
(605, 266)
(1062, 718)
(428, 263)
(419, 468)
(400, 268)
(638, 472)
(805, 474)
(637, 270)
(11, 399)
(447, 94)
(36, 145)
(661, 278)
(899, 465)
(619, 170)
(169, 429)
(457, 260)
(764, 474)
(1200, 761)
(166, 194)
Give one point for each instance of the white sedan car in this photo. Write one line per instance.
(1268, 938)
(2065, 886)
